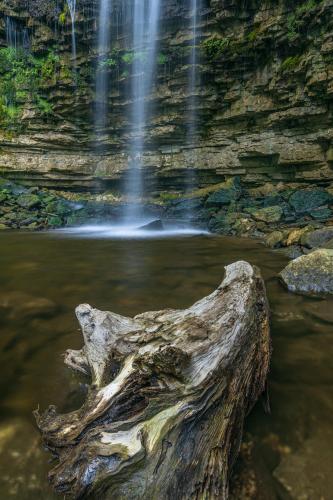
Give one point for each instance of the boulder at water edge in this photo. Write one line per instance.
(317, 238)
(312, 273)
(155, 225)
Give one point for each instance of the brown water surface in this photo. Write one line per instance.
(44, 276)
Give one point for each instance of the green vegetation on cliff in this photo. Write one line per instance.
(22, 79)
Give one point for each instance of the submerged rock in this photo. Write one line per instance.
(22, 462)
(22, 306)
(328, 244)
(274, 239)
(319, 311)
(312, 273)
(155, 225)
(306, 473)
(292, 251)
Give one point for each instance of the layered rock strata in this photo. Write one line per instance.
(264, 93)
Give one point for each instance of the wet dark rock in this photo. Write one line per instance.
(60, 207)
(318, 309)
(22, 462)
(295, 235)
(322, 213)
(317, 238)
(184, 207)
(155, 225)
(251, 479)
(27, 200)
(293, 251)
(37, 209)
(229, 192)
(244, 226)
(219, 224)
(268, 214)
(306, 200)
(230, 209)
(312, 273)
(15, 189)
(36, 307)
(21, 306)
(54, 221)
(327, 244)
(271, 201)
(274, 239)
(3, 196)
(76, 219)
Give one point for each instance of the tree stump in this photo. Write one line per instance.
(169, 392)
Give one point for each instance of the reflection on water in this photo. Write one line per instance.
(44, 276)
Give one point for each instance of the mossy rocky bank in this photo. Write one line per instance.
(295, 218)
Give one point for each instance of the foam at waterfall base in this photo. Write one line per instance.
(129, 231)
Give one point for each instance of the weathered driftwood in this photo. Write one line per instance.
(164, 414)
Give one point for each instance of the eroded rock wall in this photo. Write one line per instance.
(263, 95)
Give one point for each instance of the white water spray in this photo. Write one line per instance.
(16, 37)
(193, 74)
(192, 92)
(145, 30)
(72, 11)
(102, 74)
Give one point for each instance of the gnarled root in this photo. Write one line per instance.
(170, 390)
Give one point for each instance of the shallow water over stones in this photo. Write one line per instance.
(45, 275)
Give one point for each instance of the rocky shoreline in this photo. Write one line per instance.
(295, 218)
(282, 215)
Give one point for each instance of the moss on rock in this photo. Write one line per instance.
(311, 273)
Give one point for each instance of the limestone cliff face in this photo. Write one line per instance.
(263, 94)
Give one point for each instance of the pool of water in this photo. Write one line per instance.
(45, 275)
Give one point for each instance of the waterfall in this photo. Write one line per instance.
(192, 86)
(102, 73)
(145, 31)
(72, 10)
(193, 74)
(16, 37)
(11, 33)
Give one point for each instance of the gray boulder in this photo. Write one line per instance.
(312, 273)
(317, 238)
(305, 200)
